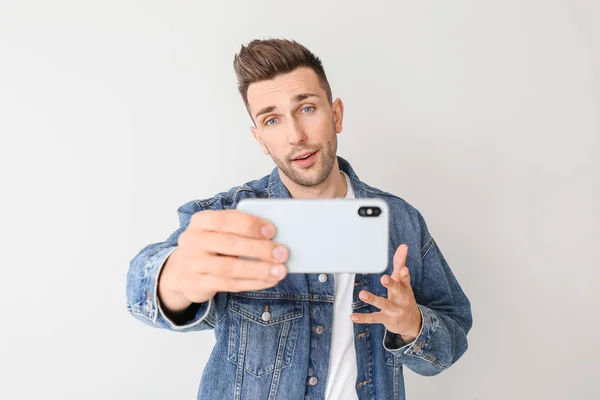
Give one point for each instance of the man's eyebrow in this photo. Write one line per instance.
(302, 96)
(264, 110)
(297, 98)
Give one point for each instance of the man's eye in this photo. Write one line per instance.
(309, 108)
(271, 120)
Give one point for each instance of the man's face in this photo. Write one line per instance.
(294, 119)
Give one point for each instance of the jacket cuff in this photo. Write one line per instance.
(393, 342)
(149, 305)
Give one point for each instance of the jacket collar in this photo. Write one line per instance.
(276, 188)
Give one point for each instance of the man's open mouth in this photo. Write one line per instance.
(304, 156)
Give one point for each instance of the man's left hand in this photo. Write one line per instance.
(399, 312)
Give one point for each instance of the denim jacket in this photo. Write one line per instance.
(272, 358)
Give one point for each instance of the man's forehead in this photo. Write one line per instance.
(284, 88)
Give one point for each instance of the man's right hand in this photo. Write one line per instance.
(207, 261)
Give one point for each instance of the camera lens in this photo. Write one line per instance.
(376, 211)
(361, 211)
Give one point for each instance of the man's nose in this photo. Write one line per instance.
(296, 133)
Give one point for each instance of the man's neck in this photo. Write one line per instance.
(333, 186)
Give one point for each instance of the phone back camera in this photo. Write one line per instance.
(369, 211)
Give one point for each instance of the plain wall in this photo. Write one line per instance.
(484, 115)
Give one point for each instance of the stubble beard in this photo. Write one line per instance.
(327, 157)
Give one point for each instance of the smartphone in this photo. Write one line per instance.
(328, 235)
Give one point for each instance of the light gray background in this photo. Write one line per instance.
(484, 115)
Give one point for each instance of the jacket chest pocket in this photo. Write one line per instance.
(263, 333)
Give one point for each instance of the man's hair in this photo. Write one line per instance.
(262, 60)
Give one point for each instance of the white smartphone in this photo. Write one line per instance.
(328, 235)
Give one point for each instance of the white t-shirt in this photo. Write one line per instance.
(341, 380)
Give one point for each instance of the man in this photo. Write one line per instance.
(299, 336)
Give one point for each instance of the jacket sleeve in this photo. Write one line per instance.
(446, 313)
(142, 284)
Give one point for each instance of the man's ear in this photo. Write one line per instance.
(338, 114)
(259, 140)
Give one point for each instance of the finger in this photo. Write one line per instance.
(368, 318)
(221, 284)
(399, 260)
(402, 279)
(393, 287)
(239, 246)
(237, 268)
(370, 298)
(405, 277)
(233, 221)
(398, 295)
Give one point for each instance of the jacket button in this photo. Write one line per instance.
(313, 380)
(319, 329)
(323, 278)
(266, 316)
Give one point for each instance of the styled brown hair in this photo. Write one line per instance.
(265, 59)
